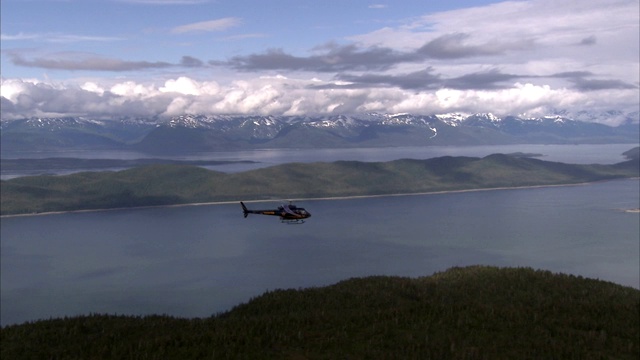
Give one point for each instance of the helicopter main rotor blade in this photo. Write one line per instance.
(288, 210)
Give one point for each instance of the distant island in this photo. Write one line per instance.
(173, 184)
(633, 154)
(476, 312)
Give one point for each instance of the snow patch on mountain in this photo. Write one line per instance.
(452, 119)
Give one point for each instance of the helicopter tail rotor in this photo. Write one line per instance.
(245, 211)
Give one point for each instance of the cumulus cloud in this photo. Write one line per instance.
(186, 86)
(285, 96)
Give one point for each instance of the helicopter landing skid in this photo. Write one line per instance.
(293, 222)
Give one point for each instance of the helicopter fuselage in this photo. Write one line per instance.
(287, 213)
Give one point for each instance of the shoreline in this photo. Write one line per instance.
(323, 199)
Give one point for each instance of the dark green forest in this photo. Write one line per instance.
(476, 312)
(171, 184)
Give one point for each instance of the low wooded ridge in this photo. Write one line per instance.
(181, 184)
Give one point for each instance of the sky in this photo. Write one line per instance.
(111, 58)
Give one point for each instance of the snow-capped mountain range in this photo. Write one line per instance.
(228, 132)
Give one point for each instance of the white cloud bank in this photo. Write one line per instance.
(283, 96)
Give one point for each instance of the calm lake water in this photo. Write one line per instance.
(196, 261)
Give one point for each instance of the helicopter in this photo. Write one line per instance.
(289, 214)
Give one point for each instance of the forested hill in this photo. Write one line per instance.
(180, 184)
(475, 312)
